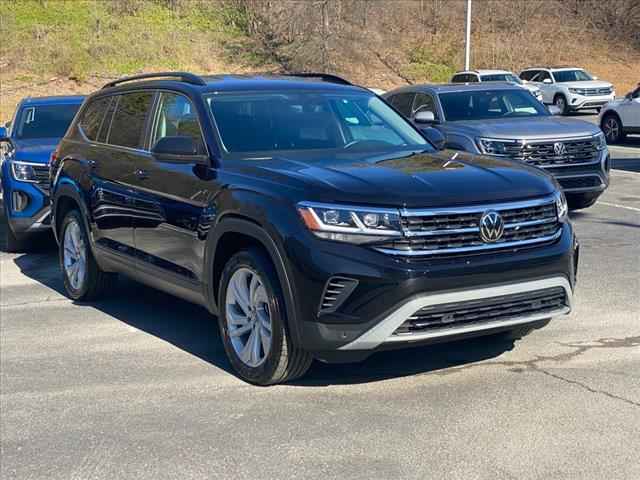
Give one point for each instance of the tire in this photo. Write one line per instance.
(280, 361)
(522, 331)
(578, 201)
(560, 101)
(612, 128)
(90, 282)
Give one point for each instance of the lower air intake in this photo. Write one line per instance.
(336, 291)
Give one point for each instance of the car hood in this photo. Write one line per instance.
(586, 84)
(36, 150)
(439, 179)
(532, 128)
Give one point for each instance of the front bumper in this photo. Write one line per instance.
(586, 178)
(389, 290)
(34, 214)
(584, 102)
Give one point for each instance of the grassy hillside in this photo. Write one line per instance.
(73, 46)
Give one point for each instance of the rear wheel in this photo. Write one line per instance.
(252, 322)
(561, 102)
(612, 128)
(83, 278)
(578, 201)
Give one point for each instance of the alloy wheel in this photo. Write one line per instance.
(611, 129)
(74, 256)
(248, 317)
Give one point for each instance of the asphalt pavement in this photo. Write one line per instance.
(138, 387)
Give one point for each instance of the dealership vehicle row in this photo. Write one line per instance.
(312, 217)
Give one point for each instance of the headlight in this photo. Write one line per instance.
(562, 208)
(601, 141)
(493, 146)
(578, 91)
(23, 171)
(350, 224)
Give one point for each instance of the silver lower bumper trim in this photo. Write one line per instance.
(383, 331)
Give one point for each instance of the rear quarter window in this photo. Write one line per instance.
(93, 118)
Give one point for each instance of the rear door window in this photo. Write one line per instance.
(130, 119)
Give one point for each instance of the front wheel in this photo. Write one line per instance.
(561, 102)
(578, 201)
(252, 322)
(612, 128)
(83, 278)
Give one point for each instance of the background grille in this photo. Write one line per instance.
(542, 154)
(484, 310)
(454, 233)
(591, 92)
(42, 176)
(580, 182)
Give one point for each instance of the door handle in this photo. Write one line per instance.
(141, 174)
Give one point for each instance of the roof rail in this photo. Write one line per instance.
(182, 76)
(325, 77)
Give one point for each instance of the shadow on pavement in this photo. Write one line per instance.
(195, 331)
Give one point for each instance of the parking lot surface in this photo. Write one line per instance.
(138, 386)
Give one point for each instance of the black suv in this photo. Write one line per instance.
(308, 215)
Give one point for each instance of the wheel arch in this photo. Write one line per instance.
(67, 197)
(234, 233)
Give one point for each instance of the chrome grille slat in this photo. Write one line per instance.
(438, 232)
(42, 176)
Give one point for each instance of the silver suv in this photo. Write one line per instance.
(503, 120)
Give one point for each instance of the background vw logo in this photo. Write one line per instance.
(559, 149)
(491, 227)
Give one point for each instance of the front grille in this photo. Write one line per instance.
(592, 92)
(42, 176)
(552, 153)
(447, 231)
(484, 310)
(590, 181)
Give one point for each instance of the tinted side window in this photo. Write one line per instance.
(127, 127)
(177, 117)
(403, 102)
(93, 117)
(541, 76)
(528, 74)
(424, 102)
(459, 79)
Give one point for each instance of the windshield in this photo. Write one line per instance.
(272, 121)
(501, 77)
(571, 76)
(45, 121)
(482, 105)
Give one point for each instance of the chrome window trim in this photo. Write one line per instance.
(383, 331)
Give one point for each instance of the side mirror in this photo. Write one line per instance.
(179, 149)
(554, 110)
(547, 80)
(424, 116)
(434, 136)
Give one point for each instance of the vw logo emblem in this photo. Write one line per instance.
(491, 227)
(559, 149)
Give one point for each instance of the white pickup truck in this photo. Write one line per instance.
(569, 88)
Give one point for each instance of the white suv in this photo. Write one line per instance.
(472, 76)
(569, 88)
(621, 116)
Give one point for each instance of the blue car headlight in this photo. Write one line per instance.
(23, 171)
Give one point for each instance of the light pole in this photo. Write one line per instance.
(467, 43)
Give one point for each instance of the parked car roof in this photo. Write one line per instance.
(53, 100)
(460, 87)
(483, 72)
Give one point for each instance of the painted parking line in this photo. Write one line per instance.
(617, 205)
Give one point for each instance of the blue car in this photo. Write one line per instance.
(37, 126)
